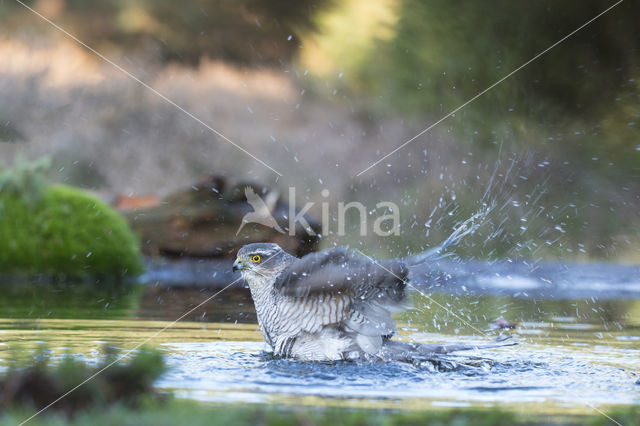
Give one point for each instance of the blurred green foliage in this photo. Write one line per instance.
(33, 381)
(242, 31)
(60, 230)
(559, 140)
(174, 411)
(580, 100)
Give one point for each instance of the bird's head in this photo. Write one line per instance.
(261, 261)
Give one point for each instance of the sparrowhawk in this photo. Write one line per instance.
(329, 305)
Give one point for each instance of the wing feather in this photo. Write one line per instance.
(338, 271)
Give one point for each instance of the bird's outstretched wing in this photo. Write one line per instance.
(342, 271)
(340, 288)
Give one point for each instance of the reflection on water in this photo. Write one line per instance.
(529, 314)
(233, 305)
(573, 353)
(37, 299)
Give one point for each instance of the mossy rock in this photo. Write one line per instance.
(68, 232)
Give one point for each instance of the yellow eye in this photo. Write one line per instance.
(255, 258)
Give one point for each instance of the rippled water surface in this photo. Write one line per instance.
(238, 371)
(574, 354)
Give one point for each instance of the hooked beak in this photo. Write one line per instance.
(237, 265)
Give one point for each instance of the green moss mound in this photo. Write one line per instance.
(65, 231)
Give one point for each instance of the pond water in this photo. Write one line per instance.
(575, 354)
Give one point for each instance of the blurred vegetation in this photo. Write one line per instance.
(60, 230)
(562, 134)
(561, 137)
(183, 412)
(33, 385)
(581, 99)
(186, 412)
(241, 31)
